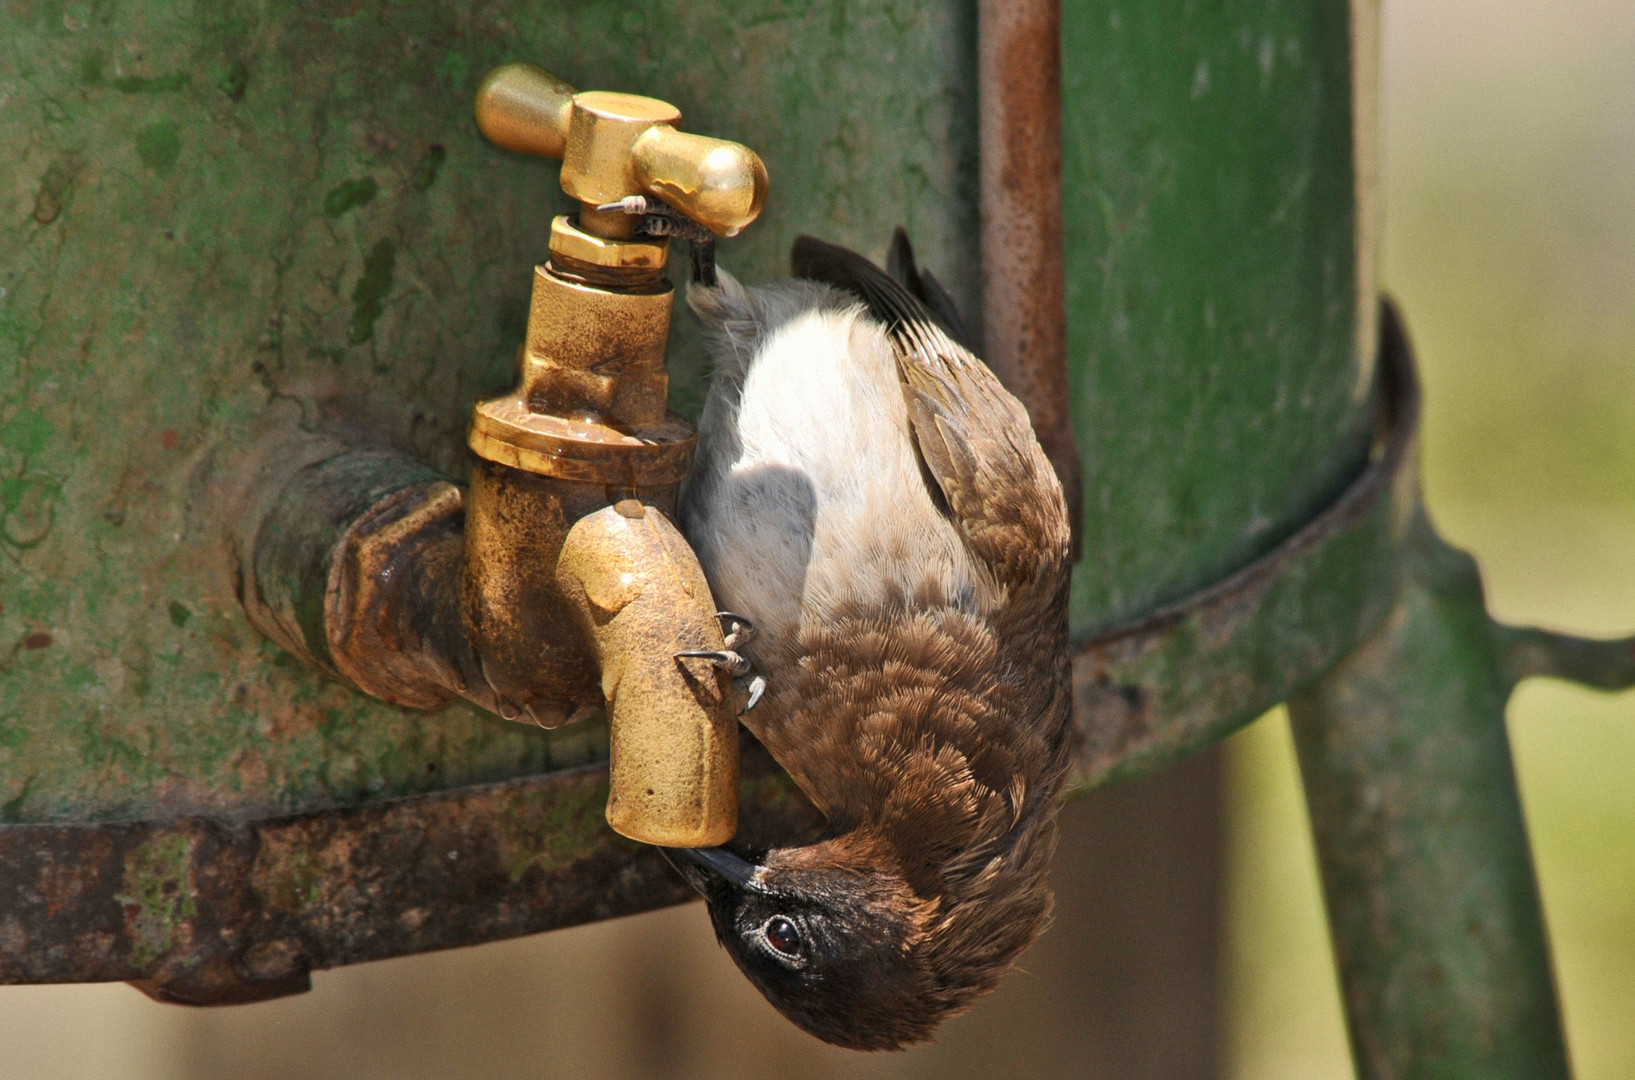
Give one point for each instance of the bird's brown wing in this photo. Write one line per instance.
(978, 449)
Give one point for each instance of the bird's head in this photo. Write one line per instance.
(835, 950)
(843, 947)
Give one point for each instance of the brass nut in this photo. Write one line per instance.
(507, 431)
(572, 242)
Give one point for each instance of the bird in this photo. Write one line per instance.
(893, 545)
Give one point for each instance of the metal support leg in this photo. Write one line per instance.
(1426, 869)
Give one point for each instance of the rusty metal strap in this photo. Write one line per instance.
(203, 911)
(198, 911)
(1187, 675)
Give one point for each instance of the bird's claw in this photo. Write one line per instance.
(739, 630)
(634, 205)
(754, 686)
(725, 659)
(659, 219)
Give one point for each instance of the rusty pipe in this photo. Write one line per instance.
(1019, 72)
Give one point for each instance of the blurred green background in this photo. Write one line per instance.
(1509, 150)
(1509, 143)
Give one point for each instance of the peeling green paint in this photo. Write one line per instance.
(11, 809)
(28, 505)
(26, 433)
(235, 80)
(157, 896)
(369, 296)
(179, 614)
(158, 84)
(90, 67)
(159, 144)
(425, 174)
(349, 195)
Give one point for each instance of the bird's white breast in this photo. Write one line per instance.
(808, 496)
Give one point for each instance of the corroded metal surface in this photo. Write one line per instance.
(204, 910)
(1187, 675)
(1433, 907)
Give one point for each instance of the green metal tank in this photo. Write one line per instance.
(227, 223)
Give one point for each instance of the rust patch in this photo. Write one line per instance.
(1023, 282)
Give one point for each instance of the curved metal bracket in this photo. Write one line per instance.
(1181, 678)
(199, 911)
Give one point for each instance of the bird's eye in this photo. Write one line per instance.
(782, 935)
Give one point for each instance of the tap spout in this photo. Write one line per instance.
(637, 592)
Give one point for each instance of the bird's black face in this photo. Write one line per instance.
(833, 950)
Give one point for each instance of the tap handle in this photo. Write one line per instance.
(613, 146)
(525, 108)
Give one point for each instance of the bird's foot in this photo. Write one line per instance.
(737, 632)
(735, 665)
(659, 219)
(725, 659)
(740, 632)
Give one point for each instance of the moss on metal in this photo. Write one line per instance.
(157, 897)
(218, 220)
(1219, 393)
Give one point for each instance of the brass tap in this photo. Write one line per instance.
(586, 427)
(613, 146)
(556, 583)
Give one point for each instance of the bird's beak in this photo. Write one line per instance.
(712, 871)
